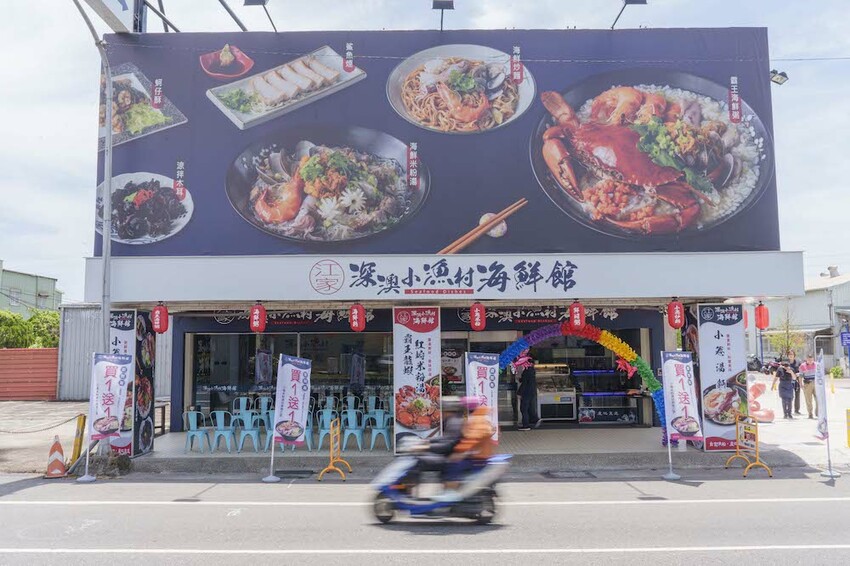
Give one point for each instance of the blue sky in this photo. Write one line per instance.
(48, 103)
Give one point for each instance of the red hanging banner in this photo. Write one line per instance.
(357, 317)
(257, 318)
(478, 316)
(675, 314)
(159, 318)
(577, 318)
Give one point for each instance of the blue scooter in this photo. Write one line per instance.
(475, 498)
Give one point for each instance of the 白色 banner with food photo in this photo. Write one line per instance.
(362, 142)
(723, 372)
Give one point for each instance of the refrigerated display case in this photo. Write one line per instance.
(556, 395)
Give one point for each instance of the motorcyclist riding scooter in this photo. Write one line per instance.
(432, 455)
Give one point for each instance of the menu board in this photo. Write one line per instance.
(723, 372)
(416, 375)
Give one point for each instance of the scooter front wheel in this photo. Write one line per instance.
(384, 508)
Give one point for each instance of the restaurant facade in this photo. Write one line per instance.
(519, 170)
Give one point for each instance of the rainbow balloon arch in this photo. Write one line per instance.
(629, 359)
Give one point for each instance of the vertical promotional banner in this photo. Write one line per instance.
(820, 397)
(416, 371)
(680, 400)
(110, 376)
(292, 401)
(142, 393)
(124, 332)
(482, 381)
(723, 372)
(452, 365)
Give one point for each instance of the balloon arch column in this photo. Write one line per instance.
(628, 358)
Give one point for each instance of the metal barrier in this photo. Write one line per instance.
(336, 451)
(747, 442)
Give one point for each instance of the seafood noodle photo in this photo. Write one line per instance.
(460, 95)
(327, 193)
(418, 411)
(647, 159)
(723, 405)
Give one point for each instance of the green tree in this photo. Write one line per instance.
(783, 338)
(45, 329)
(15, 332)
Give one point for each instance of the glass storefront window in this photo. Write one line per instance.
(345, 359)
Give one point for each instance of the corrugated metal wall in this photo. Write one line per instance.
(28, 374)
(80, 336)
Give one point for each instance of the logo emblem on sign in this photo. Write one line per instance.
(327, 277)
(708, 313)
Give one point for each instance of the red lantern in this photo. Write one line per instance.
(478, 316)
(159, 318)
(675, 314)
(577, 318)
(357, 317)
(257, 318)
(762, 317)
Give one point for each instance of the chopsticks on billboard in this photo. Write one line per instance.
(482, 229)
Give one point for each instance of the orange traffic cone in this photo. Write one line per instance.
(56, 460)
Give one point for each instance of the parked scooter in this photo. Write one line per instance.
(475, 498)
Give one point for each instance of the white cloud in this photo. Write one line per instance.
(50, 72)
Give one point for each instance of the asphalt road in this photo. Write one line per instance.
(719, 519)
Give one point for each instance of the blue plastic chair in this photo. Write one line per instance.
(325, 416)
(352, 402)
(250, 429)
(331, 402)
(243, 419)
(263, 404)
(222, 428)
(380, 427)
(241, 404)
(195, 422)
(353, 425)
(267, 419)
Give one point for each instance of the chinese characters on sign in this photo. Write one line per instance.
(735, 109)
(179, 176)
(348, 63)
(523, 278)
(416, 369)
(517, 71)
(111, 373)
(681, 406)
(126, 331)
(413, 165)
(292, 400)
(156, 98)
(723, 366)
(482, 382)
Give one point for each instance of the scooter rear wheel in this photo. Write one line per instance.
(487, 510)
(383, 508)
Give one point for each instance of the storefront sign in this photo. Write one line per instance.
(416, 370)
(124, 336)
(482, 382)
(401, 181)
(111, 374)
(292, 400)
(589, 415)
(680, 400)
(723, 372)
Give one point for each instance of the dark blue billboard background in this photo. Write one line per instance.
(713, 191)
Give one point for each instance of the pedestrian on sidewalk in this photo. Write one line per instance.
(527, 392)
(807, 373)
(795, 366)
(786, 377)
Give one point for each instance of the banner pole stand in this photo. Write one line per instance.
(670, 475)
(86, 478)
(271, 478)
(829, 473)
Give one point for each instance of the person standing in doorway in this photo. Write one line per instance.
(807, 373)
(527, 392)
(795, 366)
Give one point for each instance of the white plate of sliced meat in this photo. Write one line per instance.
(271, 93)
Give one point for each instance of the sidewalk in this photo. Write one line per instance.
(27, 452)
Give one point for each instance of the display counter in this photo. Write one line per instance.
(556, 398)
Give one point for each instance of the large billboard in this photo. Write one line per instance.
(372, 143)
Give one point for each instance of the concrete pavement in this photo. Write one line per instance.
(709, 520)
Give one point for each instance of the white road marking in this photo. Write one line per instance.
(78, 503)
(234, 512)
(391, 551)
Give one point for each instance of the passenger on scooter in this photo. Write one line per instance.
(435, 453)
(475, 446)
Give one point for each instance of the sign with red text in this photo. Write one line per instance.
(416, 370)
(292, 400)
(126, 329)
(723, 372)
(681, 406)
(111, 373)
(482, 383)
